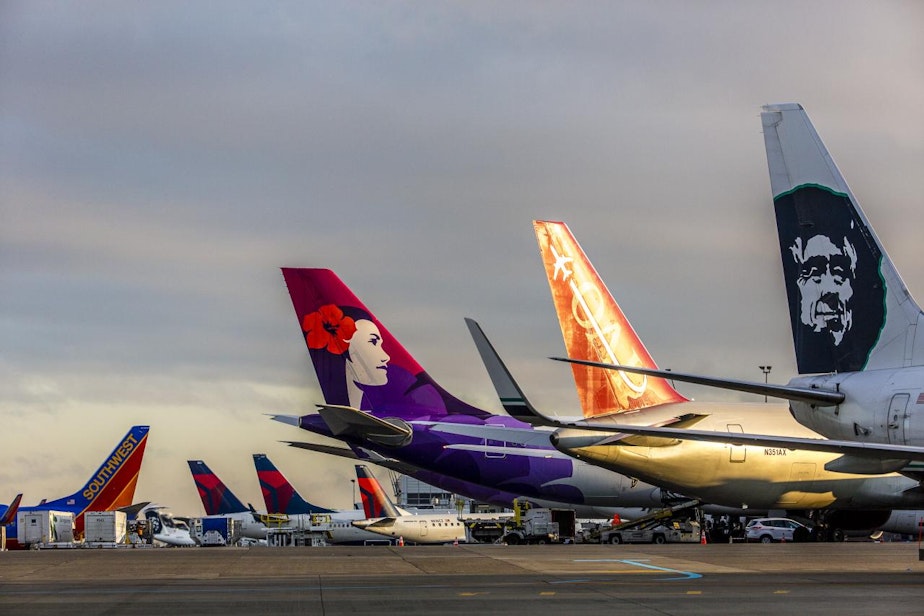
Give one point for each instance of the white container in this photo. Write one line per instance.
(105, 526)
(44, 526)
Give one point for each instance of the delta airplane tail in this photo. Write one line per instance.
(217, 499)
(279, 495)
(376, 503)
(848, 306)
(595, 329)
(358, 362)
(112, 486)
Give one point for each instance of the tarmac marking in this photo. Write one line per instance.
(694, 592)
(546, 594)
(684, 575)
(781, 592)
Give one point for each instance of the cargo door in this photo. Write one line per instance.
(898, 418)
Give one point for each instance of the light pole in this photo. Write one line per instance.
(766, 370)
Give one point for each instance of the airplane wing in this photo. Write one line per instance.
(10, 514)
(817, 397)
(351, 454)
(546, 453)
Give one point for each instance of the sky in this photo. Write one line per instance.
(160, 161)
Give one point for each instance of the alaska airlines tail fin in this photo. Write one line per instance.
(848, 306)
(376, 503)
(279, 495)
(357, 361)
(216, 497)
(595, 329)
(112, 486)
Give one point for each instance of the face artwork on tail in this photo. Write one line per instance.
(833, 279)
(827, 270)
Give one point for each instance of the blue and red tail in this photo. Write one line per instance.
(216, 497)
(376, 503)
(357, 361)
(113, 484)
(279, 495)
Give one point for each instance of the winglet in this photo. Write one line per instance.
(9, 516)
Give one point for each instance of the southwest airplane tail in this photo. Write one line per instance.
(358, 362)
(595, 329)
(376, 503)
(279, 495)
(113, 484)
(217, 498)
(848, 306)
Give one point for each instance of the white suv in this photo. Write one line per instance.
(768, 530)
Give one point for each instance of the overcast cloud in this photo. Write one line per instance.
(160, 161)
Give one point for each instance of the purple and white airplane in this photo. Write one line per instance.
(379, 399)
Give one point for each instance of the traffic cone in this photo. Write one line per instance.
(702, 539)
(401, 542)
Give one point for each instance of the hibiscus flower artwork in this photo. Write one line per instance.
(328, 328)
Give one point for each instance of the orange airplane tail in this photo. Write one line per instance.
(595, 329)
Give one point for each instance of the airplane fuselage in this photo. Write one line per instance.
(743, 476)
(881, 406)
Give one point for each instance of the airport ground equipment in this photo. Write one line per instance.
(45, 528)
(212, 531)
(676, 524)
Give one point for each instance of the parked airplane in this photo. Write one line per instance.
(407, 416)
(854, 322)
(616, 403)
(384, 518)
(280, 496)
(218, 500)
(111, 487)
(8, 512)
(167, 528)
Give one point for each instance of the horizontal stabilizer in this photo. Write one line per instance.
(348, 421)
(817, 397)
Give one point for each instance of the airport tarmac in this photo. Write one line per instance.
(814, 578)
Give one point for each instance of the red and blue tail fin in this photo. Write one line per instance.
(112, 486)
(216, 497)
(8, 515)
(595, 329)
(357, 361)
(376, 503)
(279, 495)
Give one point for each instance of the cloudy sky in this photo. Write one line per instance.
(160, 161)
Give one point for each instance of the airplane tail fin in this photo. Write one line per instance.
(217, 499)
(357, 361)
(113, 484)
(595, 329)
(376, 503)
(279, 495)
(848, 306)
(9, 515)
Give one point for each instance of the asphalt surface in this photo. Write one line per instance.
(818, 579)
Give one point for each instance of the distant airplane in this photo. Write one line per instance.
(280, 496)
(8, 512)
(616, 405)
(218, 500)
(111, 487)
(166, 528)
(384, 518)
(380, 399)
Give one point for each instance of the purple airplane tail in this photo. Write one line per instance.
(357, 361)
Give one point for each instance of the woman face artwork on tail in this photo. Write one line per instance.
(351, 346)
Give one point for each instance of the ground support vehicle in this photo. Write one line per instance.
(675, 524)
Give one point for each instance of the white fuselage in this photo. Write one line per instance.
(881, 406)
(425, 528)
